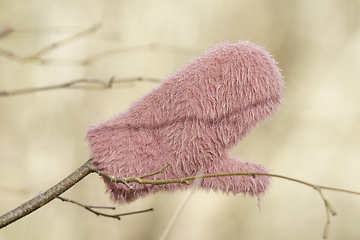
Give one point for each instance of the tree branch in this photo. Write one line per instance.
(45, 197)
(87, 168)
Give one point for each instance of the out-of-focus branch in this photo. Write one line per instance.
(83, 84)
(20, 33)
(36, 57)
(98, 56)
(73, 38)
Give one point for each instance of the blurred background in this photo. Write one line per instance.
(315, 136)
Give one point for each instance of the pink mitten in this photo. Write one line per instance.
(191, 121)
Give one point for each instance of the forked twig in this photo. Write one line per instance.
(124, 180)
(91, 30)
(36, 57)
(90, 208)
(155, 173)
(329, 209)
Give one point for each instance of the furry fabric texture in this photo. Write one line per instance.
(192, 120)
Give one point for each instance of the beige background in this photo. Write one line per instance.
(314, 137)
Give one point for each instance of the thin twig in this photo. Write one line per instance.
(183, 180)
(327, 223)
(83, 84)
(155, 173)
(122, 180)
(114, 179)
(329, 208)
(64, 199)
(37, 55)
(91, 30)
(90, 208)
